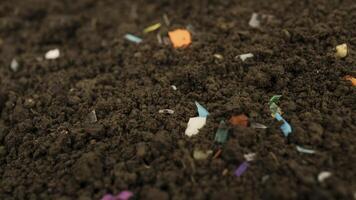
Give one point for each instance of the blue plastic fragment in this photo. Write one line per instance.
(201, 110)
(286, 128)
(133, 38)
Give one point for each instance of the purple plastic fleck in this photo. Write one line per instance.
(241, 169)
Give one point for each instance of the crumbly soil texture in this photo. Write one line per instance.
(51, 146)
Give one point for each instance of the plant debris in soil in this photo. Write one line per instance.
(95, 97)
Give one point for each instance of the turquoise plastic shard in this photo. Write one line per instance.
(201, 110)
(222, 132)
(286, 128)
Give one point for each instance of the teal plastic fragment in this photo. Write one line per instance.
(201, 110)
(133, 38)
(286, 128)
(222, 133)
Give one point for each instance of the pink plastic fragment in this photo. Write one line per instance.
(124, 195)
(241, 169)
(108, 197)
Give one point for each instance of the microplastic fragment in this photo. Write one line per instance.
(285, 127)
(174, 87)
(239, 120)
(274, 108)
(222, 132)
(168, 111)
(133, 38)
(243, 57)
(166, 20)
(254, 21)
(304, 150)
(52, 54)
(241, 169)
(323, 175)
(194, 124)
(201, 110)
(152, 28)
(250, 157)
(180, 38)
(201, 155)
(274, 99)
(92, 117)
(14, 65)
(352, 79)
(108, 197)
(341, 51)
(124, 195)
(258, 125)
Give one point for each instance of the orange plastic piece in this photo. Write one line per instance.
(239, 120)
(217, 154)
(180, 38)
(352, 79)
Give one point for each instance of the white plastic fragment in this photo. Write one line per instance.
(218, 56)
(168, 111)
(250, 157)
(52, 54)
(258, 125)
(14, 65)
(254, 22)
(323, 175)
(174, 87)
(194, 124)
(166, 20)
(341, 51)
(243, 57)
(159, 38)
(92, 117)
(304, 150)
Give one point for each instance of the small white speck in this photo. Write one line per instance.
(14, 65)
(52, 54)
(174, 87)
(254, 22)
(323, 175)
(169, 111)
(250, 157)
(243, 57)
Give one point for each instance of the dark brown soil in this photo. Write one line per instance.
(50, 149)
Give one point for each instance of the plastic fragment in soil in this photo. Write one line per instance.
(250, 157)
(254, 21)
(92, 117)
(14, 65)
(241, 169)
(258, 125)
(159, 38)
(352, 79)
(52, 54)
(274, 109)
(243, 57)
(323, 175)
(152, 28)
(201, 110)
(222, 132)
(168, 111)
(285, 127)
(166, 19)
(124, 195)
(239, 120)
(304, 150)
(108, 197)
(133, 38)
(174, 87)
(194, 124)
(341, 51)
(218, 56)
(201, 155)
(274, 99)
(180, 38)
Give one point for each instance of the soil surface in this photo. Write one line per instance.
(51, 146)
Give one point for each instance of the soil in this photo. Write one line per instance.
(52, 148)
